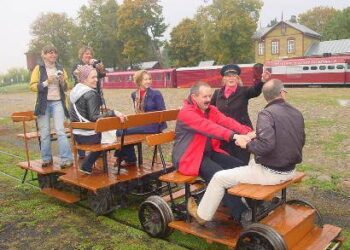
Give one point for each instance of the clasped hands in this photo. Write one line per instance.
(242, 140)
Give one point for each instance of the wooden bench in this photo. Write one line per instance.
(255, 192)
(24, 117)
(114, 123)
(190, 182)
(263, 192)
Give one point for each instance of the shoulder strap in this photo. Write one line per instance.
(81, 118)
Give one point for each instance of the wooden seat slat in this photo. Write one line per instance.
(83, 125)
(98, 147)
(61, 195)
(23, 116)
(34, 134)
(262, 192)
(176, 177)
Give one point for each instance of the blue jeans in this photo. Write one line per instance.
(55, 110)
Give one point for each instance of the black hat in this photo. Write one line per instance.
(234, 68)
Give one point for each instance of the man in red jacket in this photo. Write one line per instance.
(199, 129)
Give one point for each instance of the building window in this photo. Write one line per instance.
(261, 48)
(275, 47)
(291, 46)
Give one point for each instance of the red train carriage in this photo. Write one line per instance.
(161, 78)
(186, 77)
(182, 77)
(328, 71)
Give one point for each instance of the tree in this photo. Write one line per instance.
(141, 26)
(272, 22)
(185, 44)
(56, 29)
(14, 75)
(317, 18)
(227, 27)
(338, 26)
(98, 28)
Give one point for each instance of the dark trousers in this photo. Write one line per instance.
(92, 156)
(213, 162)
(236, 151)
(127, 153)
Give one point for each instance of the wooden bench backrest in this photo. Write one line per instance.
(108, 123)
(158, 139)
(142, 119)
(169, 115)
(83, 125)
(23, 116)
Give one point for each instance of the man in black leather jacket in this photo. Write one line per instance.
(280, 137)
(85, 104)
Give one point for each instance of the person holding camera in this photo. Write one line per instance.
(86, 57)
(49, 80)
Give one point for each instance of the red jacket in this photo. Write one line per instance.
(193, 128)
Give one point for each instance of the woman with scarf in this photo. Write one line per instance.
(145, 99)
(232, 100)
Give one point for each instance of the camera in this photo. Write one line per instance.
(59, 73)
(94, 62)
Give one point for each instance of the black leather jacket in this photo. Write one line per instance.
(280, 136)
(88, 105)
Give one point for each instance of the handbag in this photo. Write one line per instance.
(109, 136)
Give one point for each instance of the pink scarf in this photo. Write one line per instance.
(229, 90)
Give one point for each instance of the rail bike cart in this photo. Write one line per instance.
(106, 188)
(283, 224)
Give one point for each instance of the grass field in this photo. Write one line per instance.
(28, 218)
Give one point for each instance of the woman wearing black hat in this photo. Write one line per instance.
(232, 100)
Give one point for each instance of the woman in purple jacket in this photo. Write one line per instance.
(145, 99)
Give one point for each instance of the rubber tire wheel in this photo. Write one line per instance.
(318, 218)
(260, 237)
(154, 216)
(101, 202)
(47, 180)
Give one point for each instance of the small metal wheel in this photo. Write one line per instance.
(154, 216)
(47, 180)
(101, 202)
(260, 237)
(318, 218)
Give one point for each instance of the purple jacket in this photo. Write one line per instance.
(153, 102)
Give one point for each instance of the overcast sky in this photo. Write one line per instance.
(17, 16)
